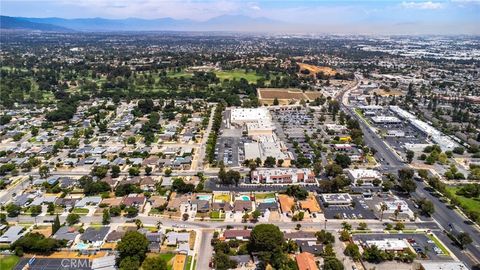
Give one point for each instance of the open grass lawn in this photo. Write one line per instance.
(470, 204)
(8, 262)
(179, 74)
(168, 258)
(262, 196)
(80, 211)
(216, 215)
(222, 197)
(250, 76)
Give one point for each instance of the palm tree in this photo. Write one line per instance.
(383, 207)
(159, 224)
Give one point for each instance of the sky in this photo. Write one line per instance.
(343, 16)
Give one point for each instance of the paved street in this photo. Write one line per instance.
(443, 216)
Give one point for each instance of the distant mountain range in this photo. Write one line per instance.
(221, 23)
(13, 23)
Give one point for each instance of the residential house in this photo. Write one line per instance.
(237, 234)
(242, 206)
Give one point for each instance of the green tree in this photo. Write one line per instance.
(266, 238)
(154, 263)
(106, 217)
(133, 244)
(325, 237)
(427, 208)
(410, 155)
(351, 250)
(464, 239)
(362, 226)
(343, 160)
(56, 224)
(223, 261)
(148, 170)
(13, 210)
(276, 102)
(372, 254)
(332, 263)
(256, 214)
(130, 263)
(73, 218)
(297, 191)
(115, 171)
(270, 162)
(35, 210)
(44, 171)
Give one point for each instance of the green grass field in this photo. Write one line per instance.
(470, 204)
(167, 257)
(80, 211)
(179, 74)
(8, 262)
(262, 196)
(250, 76)
(236, 74)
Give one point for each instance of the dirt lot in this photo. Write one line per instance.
(285, 96)
(382, 92)
(316, 69)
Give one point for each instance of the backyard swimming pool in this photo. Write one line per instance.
(81, 246)
(269, 200)
(204, 197)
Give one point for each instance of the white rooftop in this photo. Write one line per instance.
(388, 244)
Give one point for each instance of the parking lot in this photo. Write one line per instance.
(359, 211)
(227, 150)
(423, 246)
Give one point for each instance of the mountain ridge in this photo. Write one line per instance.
(98, 24)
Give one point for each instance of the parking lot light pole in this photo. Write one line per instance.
(325, 224)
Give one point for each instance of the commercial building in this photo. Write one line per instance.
(386, 120)
(395, 133)
(389, 244)
(337, 198)
(371, 108)
(241, 116)
(439, 265)
(268, 146)
(360, 177)
(282, 176)
(260, 128)
(445, 142)
(396, 209)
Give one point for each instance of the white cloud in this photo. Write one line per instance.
(255, 7)
(423, 5)
(150, 9)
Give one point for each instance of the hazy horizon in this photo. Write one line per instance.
(342, 17)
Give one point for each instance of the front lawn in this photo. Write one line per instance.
(263, 196)
(80, 211)
(469, 204)
(8, 262)
(216, 215)
(237, 74)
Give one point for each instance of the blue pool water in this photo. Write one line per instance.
(204, 197)
(269, 200)
(81, 246)
(245, 198)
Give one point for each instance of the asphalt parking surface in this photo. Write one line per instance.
(348, 212)
(420, 242)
